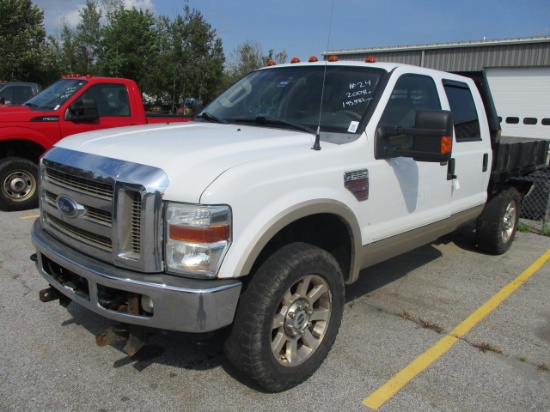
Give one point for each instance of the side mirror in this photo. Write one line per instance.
(430, 140)
(84, 110)
(197, 106)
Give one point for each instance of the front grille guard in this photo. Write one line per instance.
(117, 214)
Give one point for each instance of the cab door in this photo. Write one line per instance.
(112, 106)
(406, 194)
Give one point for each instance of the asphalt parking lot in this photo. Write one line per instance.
(443, 328)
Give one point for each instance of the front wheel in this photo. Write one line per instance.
(18, 179)
(288, 317)
(497, 225)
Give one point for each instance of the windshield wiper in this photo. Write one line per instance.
(212, 118)
(261, 119)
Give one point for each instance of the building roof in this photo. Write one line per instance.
(462, 44)
(460, 56)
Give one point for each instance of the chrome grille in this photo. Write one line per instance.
(92, 214)
(80, 185)
(136, 223)
(99, 216)
(83, 236)
(111, 210)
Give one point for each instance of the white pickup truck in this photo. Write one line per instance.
(251, 218)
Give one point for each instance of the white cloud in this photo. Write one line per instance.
(140, 4)
(58, 11)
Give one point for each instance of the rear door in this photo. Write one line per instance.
(470, 166)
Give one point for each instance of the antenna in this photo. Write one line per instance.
(317, 143)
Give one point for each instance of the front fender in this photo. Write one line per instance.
(46, 137)
(255, 237)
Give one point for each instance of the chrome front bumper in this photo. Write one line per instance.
(180, 304)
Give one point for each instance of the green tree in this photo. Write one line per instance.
(190, 59)
(88, 37)
(203, 69)
(22, 40)
(129, 41)
(66, 48)
(248, 57)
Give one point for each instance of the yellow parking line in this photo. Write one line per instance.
(29, 217)
(398, 381)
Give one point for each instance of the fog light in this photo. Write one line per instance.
(147, 304)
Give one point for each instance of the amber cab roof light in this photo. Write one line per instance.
(271, 63)
(313, 59)
(333, 58)
(74, 75)
(295, 60)
(370, 59)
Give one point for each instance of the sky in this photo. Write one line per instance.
(304, 28)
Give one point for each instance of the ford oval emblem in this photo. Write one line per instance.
(67, 206)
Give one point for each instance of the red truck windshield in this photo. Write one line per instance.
(55, 95)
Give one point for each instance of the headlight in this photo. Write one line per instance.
(197, 238)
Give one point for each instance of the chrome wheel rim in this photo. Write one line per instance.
(509, 221)
(19, 185)
(301, 321)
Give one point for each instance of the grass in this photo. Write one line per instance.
(408, 315)
(522, 227)
(424, 323)
(486, 347)
(430, 325)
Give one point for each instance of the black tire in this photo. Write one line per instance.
(18, 184)
(497, 225)
(282, 331)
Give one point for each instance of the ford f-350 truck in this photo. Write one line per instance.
(251, 218)
(72, 105)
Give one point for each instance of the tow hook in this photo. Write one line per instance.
(135, 340)
(49, 294)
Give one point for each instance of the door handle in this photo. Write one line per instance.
(451, 170)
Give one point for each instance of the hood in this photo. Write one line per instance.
(193, 154)
(14, 113)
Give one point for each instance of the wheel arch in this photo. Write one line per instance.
(23, 148)
(325, 223)
(521, 185)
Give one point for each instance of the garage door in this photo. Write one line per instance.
(522, 100)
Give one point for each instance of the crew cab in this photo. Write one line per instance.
(72, 105)
(17, 92)
(250, 219)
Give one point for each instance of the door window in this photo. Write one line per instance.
(465, 118)
(412, 92)
(111, 99)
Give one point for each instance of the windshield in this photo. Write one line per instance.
(55, 95)
(291, 97)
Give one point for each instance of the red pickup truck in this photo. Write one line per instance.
(72, 105)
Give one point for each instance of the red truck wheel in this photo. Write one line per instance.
(288, 317)
(18, 179)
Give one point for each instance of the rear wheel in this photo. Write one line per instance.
(497, 225)
(18, 179)
(288, 317)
